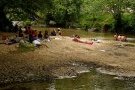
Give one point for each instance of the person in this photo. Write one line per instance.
(53, 33)
(28, 29)
(77, 39)
(46, 35)
(31, 37)
(59, 31)
(40, 36)
(123, 38)
(120, 37)
(116, 37)
(77, 36)
(36, 43)
(35, 33)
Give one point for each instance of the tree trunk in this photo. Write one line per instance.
(5, 24)
(118, 23)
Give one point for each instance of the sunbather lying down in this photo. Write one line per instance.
(80, 41)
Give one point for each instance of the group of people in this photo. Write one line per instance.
(35, 36)
(54, 32)
(120, 38)
(30, 35)
(117, 37)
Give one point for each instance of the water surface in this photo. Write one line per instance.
(86, 81)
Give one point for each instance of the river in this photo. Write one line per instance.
(92, 80)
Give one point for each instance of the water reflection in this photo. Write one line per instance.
(86, 81)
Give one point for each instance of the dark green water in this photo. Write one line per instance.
(87, 81)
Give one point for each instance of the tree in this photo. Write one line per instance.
(65, 12)
(91, 13)
(115, 8)
(28, 8)
(131, 9)
(118, 8)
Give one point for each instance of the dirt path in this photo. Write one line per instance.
(61, 58)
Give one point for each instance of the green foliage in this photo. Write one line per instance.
(26, 47)
(65, 12)
(18, 10)
(119, 14)
(22, 9)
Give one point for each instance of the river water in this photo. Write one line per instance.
(92, 80)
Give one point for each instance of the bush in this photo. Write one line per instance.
(26, 46)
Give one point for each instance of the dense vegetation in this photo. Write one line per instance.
(107, 15)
